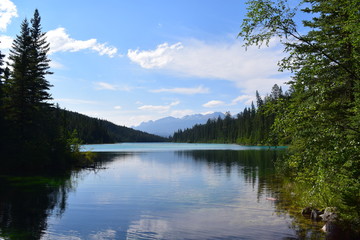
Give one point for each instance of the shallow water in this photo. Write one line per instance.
(156, 191)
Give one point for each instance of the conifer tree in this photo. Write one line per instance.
(32, 129)
(17, 87)
(40, 62)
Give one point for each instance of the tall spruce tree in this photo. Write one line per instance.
(18, 96)
(27, 87)
(322, 114)
(40, 62)
(32, 132)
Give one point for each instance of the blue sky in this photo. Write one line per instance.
(139, 60)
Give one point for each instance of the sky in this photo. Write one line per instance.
(132, 61)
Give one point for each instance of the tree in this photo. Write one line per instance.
(32, 130)
(17, 101)
(40, 48)
(259, 101)
(276, 92)
(322, 115)
(27, 87)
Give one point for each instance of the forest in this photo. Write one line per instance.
(319, 118)
(252, 126)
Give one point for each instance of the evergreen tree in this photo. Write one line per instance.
(33, 133)
(259, 101)
(40, 62)
(27, 87)
(18, 97)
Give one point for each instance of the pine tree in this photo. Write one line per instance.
(40, 62)
(27, 88)
(32, 129)
(18, 96)
(259, 101)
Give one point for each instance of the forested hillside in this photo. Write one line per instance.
(93, 130)
(252, 126)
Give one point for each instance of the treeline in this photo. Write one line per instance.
(93, 130)
(252, 126)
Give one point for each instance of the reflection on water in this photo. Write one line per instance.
(153, 195)
(27, 202)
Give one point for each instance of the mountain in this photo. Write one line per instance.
(94, 130)
(166, 127)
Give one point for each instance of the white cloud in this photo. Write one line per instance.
(247, 99)
(56, 65)
(5, 42)
(188, 91)
(60, 41)
(214, 103)
(159, 108)
(117, 107)
(7, 12)
(112, 87)
(251, 70)
(157, 58)
(181, 113)
(104, 86)
(175, 103)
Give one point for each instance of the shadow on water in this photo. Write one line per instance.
(27, 202)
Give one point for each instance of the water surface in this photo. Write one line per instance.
(155, 191)
(153, 147)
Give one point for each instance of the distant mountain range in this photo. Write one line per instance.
(166, 127)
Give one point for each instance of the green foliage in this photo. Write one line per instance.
(321, 116)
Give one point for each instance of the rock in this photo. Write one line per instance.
(306, 211)
(316, 215)
(331, 227)
(329, 214)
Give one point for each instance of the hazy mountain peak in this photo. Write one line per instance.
(168, 125)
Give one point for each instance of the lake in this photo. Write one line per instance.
(156, 191)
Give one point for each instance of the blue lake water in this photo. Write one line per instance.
(163, 191)
(152, 147)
